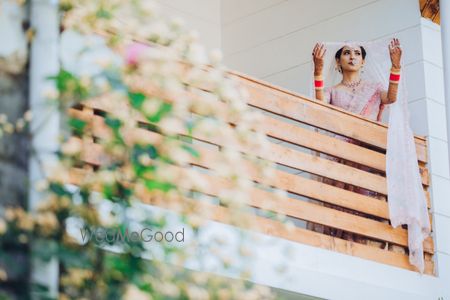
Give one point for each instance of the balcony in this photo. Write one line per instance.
(297, 127)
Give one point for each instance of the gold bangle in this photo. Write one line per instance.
(395, 71)
(320, 77)
(394, 81)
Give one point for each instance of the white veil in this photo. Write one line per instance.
(406, 197)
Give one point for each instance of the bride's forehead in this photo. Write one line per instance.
(349, 47)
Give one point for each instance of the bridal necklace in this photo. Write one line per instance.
(351, 85)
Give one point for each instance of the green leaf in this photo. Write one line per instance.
(163, 110)
(62, 79)
(108, 191)
(59, 189)
(66, 82)
(136, 99)
(191, 150)
(78, 125)
(159, 185)
(113, 123)
(103, 14)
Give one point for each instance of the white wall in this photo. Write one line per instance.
(200, 15)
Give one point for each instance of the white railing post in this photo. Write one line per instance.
(45, 124)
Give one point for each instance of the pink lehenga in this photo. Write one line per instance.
(365, 100)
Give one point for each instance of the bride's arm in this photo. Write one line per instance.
(318, 53)
(390, 96)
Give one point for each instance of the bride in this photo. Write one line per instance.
(366, 98)
(361, 89)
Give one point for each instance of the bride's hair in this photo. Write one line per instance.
(339, 52)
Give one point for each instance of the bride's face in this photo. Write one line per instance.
(351, 59)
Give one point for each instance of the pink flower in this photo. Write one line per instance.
(133, 51)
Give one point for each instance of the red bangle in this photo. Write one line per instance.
(394, 77)
(318, 83)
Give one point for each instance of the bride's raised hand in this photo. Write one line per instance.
(395, 51)
(318, 55)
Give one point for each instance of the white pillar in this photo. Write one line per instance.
(45, 124)
(445, 36)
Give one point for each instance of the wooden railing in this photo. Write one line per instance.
(292, 121)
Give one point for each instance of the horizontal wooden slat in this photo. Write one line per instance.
(275, 228)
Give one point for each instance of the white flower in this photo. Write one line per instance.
(169, 289)
(3, 275)
(107, 218)
(134, 293)
(28, 115)
(47, 221)
(198, 182)
(107, 177)
(180, 156)
(144, 159)
(165, 172)
(215, 56)
(149, 8)
(51, 93)
(3, 226)
(289, 225)
(176, 22)
(228, 92)
(136, 213)
(3, 118)
(231, 155)
(206, 126)
(196, 54)
(57, 172)
(41, 185)
(151, 106)
(160, 30)
(237, 105)
(8, 128)
(180, 107)
(171, 126)
(172, 85)
(71, 147)
(20, 124)
(193, 35)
